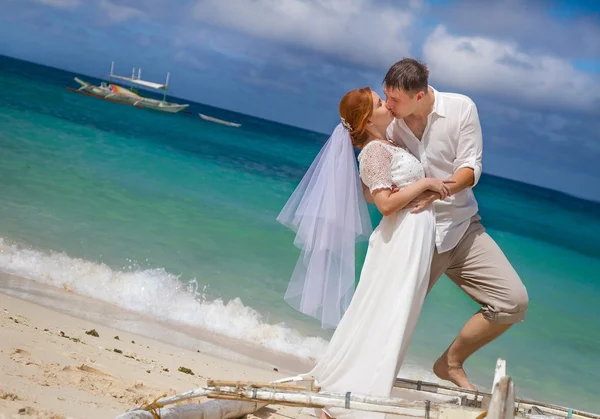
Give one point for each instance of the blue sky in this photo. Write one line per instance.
(532, 67)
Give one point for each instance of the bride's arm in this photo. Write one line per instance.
(388, 202)
(375, 173)
(367, 193)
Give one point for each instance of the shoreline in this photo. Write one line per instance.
(50, 367)
(103, 313)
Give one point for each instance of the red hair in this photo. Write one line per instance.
(355, 108)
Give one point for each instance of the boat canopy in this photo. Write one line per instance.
(144, 83)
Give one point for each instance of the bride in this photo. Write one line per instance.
(329, 214)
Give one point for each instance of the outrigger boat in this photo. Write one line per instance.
(420, 400)
(130, 96)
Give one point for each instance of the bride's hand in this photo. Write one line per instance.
(440, 186)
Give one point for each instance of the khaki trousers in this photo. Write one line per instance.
(480, 268)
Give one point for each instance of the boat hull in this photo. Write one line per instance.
(219, 121)
(120, 94)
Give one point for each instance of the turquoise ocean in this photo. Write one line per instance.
(175, 218)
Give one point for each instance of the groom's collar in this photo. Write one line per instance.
(438, 104)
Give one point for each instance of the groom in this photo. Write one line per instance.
(442, 130)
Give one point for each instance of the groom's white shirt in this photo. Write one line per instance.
(452, 140)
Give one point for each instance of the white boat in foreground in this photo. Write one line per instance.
(420, 400)
(219, 121)
(130, 96)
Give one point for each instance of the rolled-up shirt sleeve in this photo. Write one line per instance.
(470, 142)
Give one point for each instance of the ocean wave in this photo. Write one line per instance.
(158, 294)
(161, 295)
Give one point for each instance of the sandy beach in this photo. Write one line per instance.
(52, 364)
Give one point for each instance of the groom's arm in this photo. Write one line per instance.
(464, 178)
(467, 165)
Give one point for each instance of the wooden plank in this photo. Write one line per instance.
(367, 403)
(499, 372)
(472, 397)
(257, 384)
(502, 405)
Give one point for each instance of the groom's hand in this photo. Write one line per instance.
(422, 201)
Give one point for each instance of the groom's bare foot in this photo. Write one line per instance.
(453, 373)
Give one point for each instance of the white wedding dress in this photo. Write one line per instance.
(370, 342)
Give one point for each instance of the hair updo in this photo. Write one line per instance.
(355, 109)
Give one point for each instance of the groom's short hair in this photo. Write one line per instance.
(409, 75)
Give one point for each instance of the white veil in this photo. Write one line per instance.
(329, 214)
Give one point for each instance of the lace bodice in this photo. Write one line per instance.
(406, 168)
(383, 165)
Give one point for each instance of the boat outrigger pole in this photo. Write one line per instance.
(166, 87)
(112, 69)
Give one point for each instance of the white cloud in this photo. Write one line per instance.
(482, 64)
(532, 22)
(358, 31)
(61, 4)
(116, 13)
